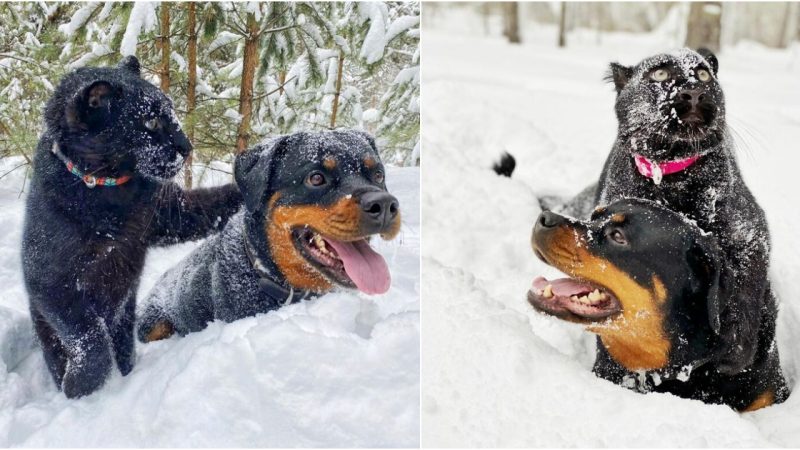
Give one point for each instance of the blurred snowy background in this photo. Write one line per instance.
(496, 373)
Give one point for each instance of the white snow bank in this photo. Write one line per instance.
(340, 370)
(495, 372)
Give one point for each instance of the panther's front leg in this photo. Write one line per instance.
(185, 215)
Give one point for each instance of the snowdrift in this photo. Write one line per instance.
(341, 370)
(497, 373)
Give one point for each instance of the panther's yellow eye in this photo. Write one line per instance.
(659, 75)
(152, 124)
(703, 75)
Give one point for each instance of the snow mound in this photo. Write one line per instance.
(340, 370)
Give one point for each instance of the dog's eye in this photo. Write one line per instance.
(617, 236)
(316, 179)
(152, 124)
(703, 75)
(659, 75)
(378, 177)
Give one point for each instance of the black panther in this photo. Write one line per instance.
(652, 285)
(312, 203)
(100, 196)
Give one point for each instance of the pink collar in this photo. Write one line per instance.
(654, 170)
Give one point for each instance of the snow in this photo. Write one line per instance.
(496, 373)
(340, 370)
(375, 41)
(78, 20)
(142, 18)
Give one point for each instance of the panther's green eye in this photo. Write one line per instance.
(152, 124)
(659, 75)
(703, 75)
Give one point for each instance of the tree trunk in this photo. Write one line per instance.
(165, 50)
(248, 76)
(789, 29)
(281, 81)
(703, 29)
(191, 94)
(335, 106)
(512, 22)
(562, 26)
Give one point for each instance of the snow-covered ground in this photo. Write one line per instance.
(341, 370)
(496, 373)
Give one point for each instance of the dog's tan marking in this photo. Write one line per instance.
(340, 221)
(161, 330)
(329, 162)
(635, 338)
(618, 218)
(762, 401)
(370, 162)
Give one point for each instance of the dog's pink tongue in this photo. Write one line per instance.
(366, 268)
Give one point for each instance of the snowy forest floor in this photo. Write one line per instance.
(341, 370)
(496, 373)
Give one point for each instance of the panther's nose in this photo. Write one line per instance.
(692, 96)
(379, 209)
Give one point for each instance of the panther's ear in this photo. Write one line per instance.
(706, 259)
(619, 75)
(710, 57)
(131, 64)
(91, 105)
(253, 169)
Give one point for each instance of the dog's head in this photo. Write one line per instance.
(674, 96)
(314, 200)
(643, 278)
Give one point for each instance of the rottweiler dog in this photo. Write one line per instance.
(651, 285)
(312, 203)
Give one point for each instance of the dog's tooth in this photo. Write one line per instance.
(574, 297)
(594, 295)
(548, 291)
(585, 300)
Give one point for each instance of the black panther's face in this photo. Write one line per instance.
(116, 122)
(154, 132)
(675, 96)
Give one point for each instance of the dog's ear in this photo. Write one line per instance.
(706, 259)
(619, 75)
(131, 64)
(710, 58)
(90, 107)
(253, 170)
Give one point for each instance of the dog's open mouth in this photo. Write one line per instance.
(351, 264)
(570, 298)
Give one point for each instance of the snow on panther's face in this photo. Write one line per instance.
(675, 95)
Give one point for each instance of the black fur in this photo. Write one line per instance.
(505, 167)
(219, 280)
(657, 121)
(663, 244)
(83, 248)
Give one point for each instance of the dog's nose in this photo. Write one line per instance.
(549, 219)
(379, 209)
(692, 96)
